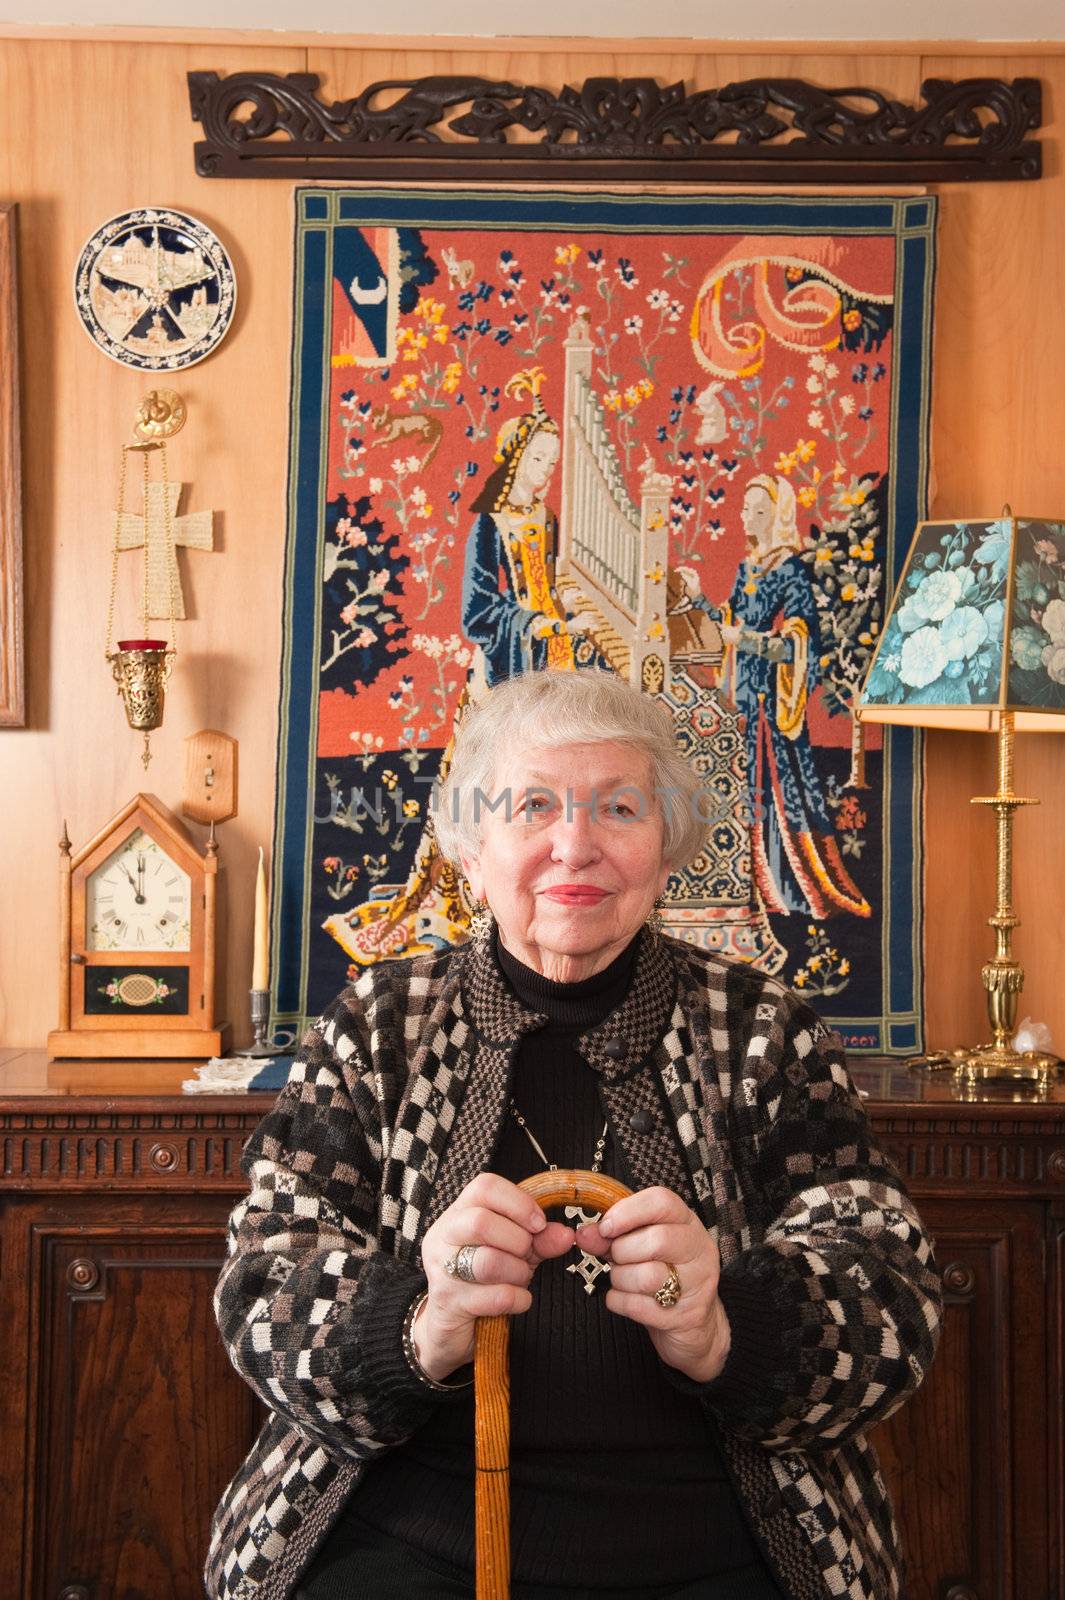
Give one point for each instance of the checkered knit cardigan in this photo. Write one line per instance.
(394, 1104)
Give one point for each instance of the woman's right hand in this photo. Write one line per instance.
(512, 1235)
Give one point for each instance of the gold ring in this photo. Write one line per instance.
(670, 1292)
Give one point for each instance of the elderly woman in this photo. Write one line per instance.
(693, 1375)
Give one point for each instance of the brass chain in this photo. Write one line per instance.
(114, 554)
(144, 594)
(171, 550)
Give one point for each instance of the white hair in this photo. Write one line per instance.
(552, 708)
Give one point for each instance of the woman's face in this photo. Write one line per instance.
(571, 854)
(538, 462)
(757, 517)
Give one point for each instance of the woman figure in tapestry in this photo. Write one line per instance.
(770, 626)
(519, 627)
(523, 625)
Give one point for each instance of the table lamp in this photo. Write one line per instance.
(975, 639)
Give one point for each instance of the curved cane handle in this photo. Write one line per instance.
(567, 1186)
(572, 1186)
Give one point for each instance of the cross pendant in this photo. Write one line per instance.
(588, 1267)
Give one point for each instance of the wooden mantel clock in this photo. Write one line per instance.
(137, 941)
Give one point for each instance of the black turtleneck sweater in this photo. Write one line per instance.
(617, 1479)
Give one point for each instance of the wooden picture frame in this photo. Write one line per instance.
(12, 642)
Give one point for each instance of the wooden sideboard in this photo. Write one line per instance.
(121, 1420)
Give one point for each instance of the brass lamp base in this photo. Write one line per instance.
(1002, 976)
(991, 1062)
(1015, 1066)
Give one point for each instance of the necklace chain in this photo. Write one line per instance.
(589, 1267)
(552, 1166)
(527, 510)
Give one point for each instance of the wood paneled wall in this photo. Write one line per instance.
(93, 124)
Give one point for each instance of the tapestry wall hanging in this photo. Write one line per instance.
(679, 437)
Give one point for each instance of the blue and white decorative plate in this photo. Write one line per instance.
(155, 289)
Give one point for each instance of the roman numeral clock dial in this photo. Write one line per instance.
(138, 900)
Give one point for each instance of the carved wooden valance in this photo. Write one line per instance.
(763, 130)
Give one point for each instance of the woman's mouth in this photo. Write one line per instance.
(575, 894)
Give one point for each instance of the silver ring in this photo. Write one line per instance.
(460, 1265)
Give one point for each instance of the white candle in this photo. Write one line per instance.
(260, 961)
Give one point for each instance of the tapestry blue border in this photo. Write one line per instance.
(911, 221)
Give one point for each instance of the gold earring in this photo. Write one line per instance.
(654, 920)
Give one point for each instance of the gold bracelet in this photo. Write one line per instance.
(412, 1355)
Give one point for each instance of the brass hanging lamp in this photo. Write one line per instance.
(141, 667)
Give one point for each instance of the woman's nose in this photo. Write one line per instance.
(574, 838)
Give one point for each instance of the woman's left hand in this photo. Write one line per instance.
(643, 1236)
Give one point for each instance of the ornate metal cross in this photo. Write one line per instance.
(588, 1267)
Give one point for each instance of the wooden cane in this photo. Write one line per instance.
(491, 1388)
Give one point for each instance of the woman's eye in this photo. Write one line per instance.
(624, 802)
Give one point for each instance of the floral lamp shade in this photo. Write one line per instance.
(976, 628)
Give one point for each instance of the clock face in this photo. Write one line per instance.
(138, 899)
